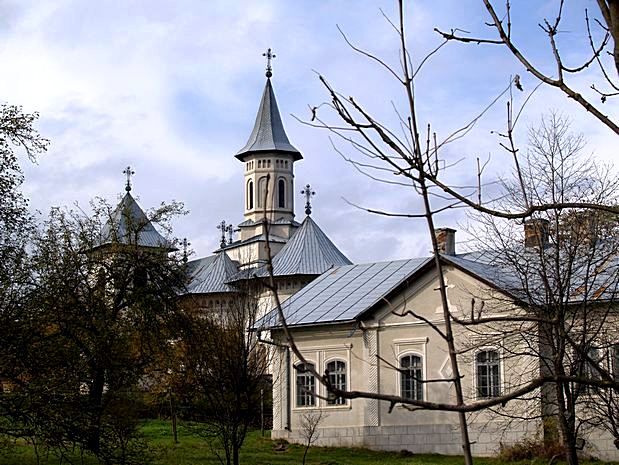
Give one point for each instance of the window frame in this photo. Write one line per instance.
(418, 386)
(498, 391)
(310, 398)
(332, 401)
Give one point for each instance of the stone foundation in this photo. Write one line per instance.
(441, 438)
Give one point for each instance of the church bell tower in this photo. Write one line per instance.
(268, 158)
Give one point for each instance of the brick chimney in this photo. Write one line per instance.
(536, 232)
(446, 238)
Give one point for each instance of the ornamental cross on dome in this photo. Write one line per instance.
(308, 193)
(269, 55)
(128, 172)
(231, 230)
(223, 227)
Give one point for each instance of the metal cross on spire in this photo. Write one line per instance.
(186, 245)
(223, 227)
(231, 230)
(308, 193)
(128, 172)
(269, 55)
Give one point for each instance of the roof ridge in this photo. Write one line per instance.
(309, 251)
(213, 276)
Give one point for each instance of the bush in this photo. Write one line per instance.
(530, 449)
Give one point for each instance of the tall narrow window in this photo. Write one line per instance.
(337, 378)
(281, 193)
(250, 194)
(614, 353)
(488, 374)
(306, 386)
(411, 377)
(262, 188)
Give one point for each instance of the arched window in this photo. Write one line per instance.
(281, 193)
(306, 385)
(488, 374)
(337, 378)
(250, 194)
(262, 188)
(411, 377)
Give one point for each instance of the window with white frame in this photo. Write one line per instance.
(306, 385)
(488, 367)
(337, 378)
(411, 377)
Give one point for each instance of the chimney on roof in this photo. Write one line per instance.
(536, 232)
(446, 238)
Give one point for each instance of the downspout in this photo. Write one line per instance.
(288, 391)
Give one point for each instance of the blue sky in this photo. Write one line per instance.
(172, 89)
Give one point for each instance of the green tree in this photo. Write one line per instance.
(102, 308)
(18, 137)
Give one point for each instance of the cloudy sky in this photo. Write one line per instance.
(172, 88)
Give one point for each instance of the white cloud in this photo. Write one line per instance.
(172, 88)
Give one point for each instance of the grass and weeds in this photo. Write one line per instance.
(257, 450)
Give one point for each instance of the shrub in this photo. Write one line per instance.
(529, 448)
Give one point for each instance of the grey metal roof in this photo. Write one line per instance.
(520, 273)
(488, 266)
(344, 293)
(268, 134)
(128, 224)
(210, 274)
(308, 252)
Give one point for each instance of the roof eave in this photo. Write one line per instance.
(296, 156)
(309, 325)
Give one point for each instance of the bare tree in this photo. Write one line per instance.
(415, 160)
(309, 429)
(222, 369)
(602, 32)
(562, 267)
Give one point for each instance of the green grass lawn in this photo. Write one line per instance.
(258, 450)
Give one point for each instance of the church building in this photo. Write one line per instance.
(372, 327)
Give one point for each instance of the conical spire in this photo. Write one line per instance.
(268, 134)
(128, 224)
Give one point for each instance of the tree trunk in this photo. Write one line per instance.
(566, 426)
(235, 453)
(449, 337)
(548, 392)
(95, 397)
